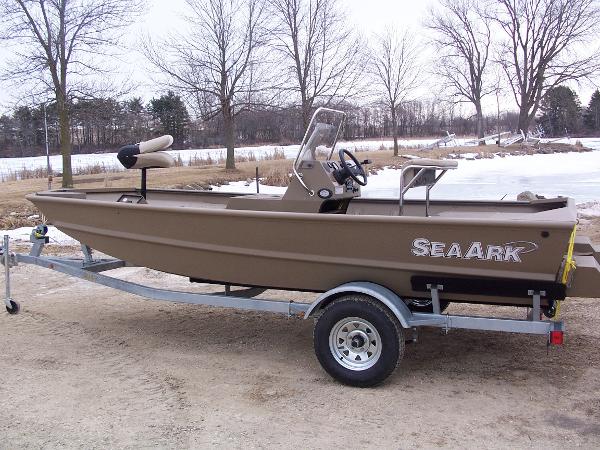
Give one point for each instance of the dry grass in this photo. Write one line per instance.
(277, 176)
(42, 172)
(208, 160)
(25, 174)
(98, 168)
(277, 153)
(24, 216)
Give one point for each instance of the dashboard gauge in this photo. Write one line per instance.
(325, 193)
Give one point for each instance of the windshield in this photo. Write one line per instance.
(321, 136)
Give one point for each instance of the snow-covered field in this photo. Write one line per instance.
(109, 160)
(10, 166)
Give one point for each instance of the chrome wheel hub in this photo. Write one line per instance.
(355, 343)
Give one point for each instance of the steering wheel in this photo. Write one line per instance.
(355, 171)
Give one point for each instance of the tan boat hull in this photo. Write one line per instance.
(307, 251)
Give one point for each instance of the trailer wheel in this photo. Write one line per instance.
(425, 305)
(358, 341)
(14, 307)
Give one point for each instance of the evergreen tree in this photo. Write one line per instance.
(173, 116)
(137, 119)
(561, 112)
(592, 113)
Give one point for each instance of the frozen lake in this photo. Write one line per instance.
(574, 175)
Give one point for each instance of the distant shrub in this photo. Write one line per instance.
(277, 177)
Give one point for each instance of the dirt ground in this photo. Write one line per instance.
(86, 366)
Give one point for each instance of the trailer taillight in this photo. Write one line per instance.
(556, 337)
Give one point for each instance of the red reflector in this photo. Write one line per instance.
(556, 337)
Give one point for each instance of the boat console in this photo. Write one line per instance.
(332, 186)
(318, 184)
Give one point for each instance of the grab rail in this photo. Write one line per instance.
(424, 167)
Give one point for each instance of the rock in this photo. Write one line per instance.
(528, 196)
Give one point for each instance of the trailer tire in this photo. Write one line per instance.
(14, 307)
(358, 341)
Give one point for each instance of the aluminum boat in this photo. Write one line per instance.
(320, 234)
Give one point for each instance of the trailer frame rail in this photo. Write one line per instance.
(90, 269)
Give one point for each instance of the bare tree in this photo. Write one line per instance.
(320, 53)
(543, 46)
(217, 62)
(463, 37)
(62, 41)
(394, 66)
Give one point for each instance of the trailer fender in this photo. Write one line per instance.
(378, 292)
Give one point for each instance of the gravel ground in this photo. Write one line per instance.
(87, 366)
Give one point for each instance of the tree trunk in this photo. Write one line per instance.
(229, 132)
(306, 116)
(524, 115)
(479, 118)
(523, 124)
(65, 141)
(394, 130)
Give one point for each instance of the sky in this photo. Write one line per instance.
(367, 16)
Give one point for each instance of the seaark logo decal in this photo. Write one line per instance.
(508, 252)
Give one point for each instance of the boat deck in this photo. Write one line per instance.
(548, 209)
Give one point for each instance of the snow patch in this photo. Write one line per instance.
(22, 235)
(243, 187)
(469, 156)
(589, 209)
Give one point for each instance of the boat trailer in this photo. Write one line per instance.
(387, 302)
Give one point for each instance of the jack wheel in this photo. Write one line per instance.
(358, 341)
(14, 308)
